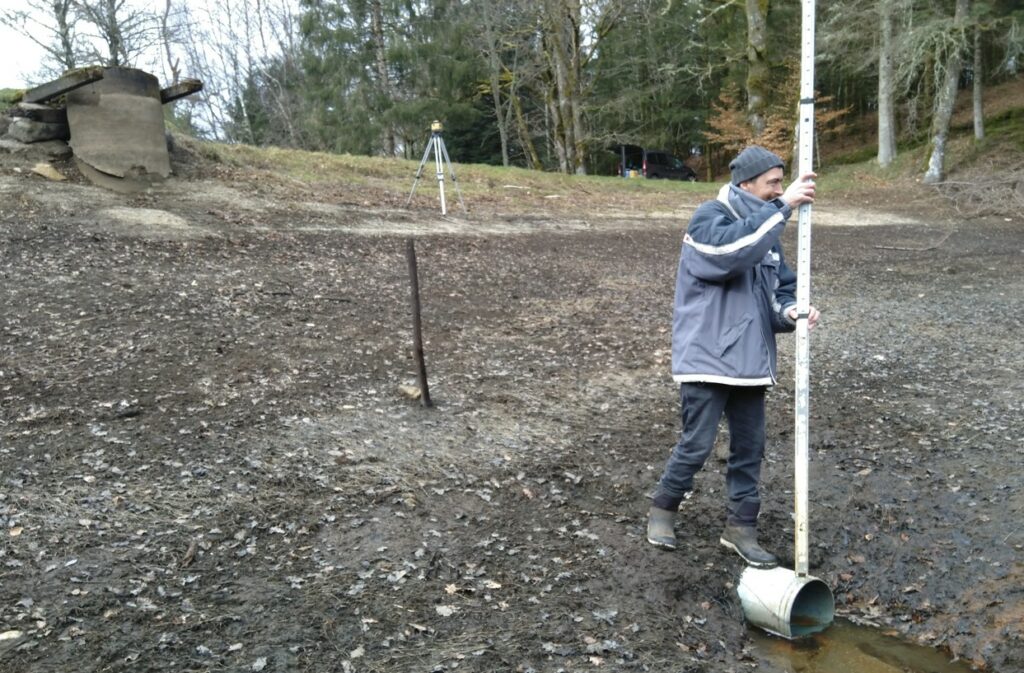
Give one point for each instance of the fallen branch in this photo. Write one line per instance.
(987, 195)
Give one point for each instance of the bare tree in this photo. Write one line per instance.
(861, 48)
(215, 50)
(168, 37)
(571, 32)
(281, 83)
(886, 83)
(1014, 47)
(508, 41)
(51, 25)
(491, 40)
(124, 30)
(976, 73)
(946, 97)
(381, 65)
(561, 40)
(757, 64)
(246, 53)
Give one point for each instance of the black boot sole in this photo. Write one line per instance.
(750, 562)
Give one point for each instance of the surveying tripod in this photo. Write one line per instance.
(436, 143)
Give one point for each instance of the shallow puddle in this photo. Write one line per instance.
(847, 648)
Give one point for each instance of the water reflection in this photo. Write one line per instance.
(847, 648)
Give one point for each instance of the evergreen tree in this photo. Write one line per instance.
(379, 71)
(345, 110)
(653, 77)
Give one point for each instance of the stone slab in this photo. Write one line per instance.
(117, 125)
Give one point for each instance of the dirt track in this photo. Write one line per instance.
(207, 463)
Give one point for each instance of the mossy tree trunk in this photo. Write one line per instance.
(979, 108)
(944, 100)
(381, 65)
(886, 105)
(495, 70)
(561, 47)
(757, 64)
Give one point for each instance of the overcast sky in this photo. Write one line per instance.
(19, 56)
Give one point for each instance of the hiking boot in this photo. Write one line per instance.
(659, 528)
(743, 541)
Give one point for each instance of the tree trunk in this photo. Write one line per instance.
(979, 109)
(757, 64)
(562, 47)
(944, 101)
(886, 106)
(557, 129)
(166, 35)
(524, 134)
(501, 116)
(563, 94)
(575, 85)
(501, 113)
(381, 63)
(61, 11)
(115, 42)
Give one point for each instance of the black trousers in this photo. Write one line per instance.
(701, 408)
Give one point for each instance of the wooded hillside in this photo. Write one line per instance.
(551, 84)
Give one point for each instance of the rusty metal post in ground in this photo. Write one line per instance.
(417, 329)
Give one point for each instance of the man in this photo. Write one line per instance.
(733, 293)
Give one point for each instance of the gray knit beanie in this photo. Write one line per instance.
(751, 162)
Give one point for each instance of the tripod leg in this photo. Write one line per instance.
(458, 192)
(419, 174)
(439, 168)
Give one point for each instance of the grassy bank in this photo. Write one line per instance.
(853, 177)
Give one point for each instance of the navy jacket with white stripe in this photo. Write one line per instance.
(733, 288)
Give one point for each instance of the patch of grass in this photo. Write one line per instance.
(1004, 132)
(846, 175)
(397, 175)
(857, 156)
(1007, 127)
(999, 100)
(851, 180)
(1002, 144)
(9, 97)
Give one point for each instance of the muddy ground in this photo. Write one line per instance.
(207, 461)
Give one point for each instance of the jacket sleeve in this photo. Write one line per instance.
(717, 246)
(785, 296)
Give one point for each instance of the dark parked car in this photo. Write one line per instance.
(655, 164)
